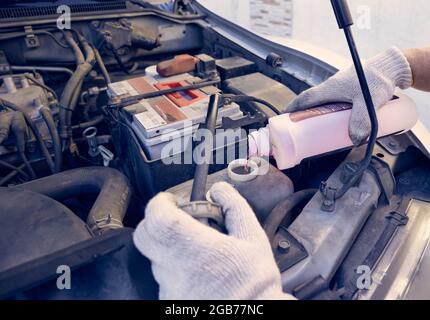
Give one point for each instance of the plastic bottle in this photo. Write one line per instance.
(292, 137)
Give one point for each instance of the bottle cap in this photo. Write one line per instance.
(259, 143)
(242, 170)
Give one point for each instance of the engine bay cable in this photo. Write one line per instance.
(123, 102)
(230, 98)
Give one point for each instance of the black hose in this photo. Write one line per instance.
(113, 190)
(267, 104)
(283, 210)
(198, 192)
(56, 141)
(131, 100)
(35, 131)
(121, 64)
(244, 98)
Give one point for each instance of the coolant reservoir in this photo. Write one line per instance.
(260, 183)
(292, 137)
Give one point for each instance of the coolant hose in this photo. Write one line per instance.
(283, 210)
(71, 84)
(113, 190)
(102, 66)
(84, 66)
(90, 59)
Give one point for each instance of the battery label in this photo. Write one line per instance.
(149, 118)
(122, 88)
(141, 85)
(159, 112)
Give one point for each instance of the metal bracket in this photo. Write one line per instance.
(204, 210)
(31, 39)
(400, 219)
(329, 194)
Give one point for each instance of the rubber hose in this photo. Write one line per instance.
(198, 192)
(58, 152)
(284, 209)
(86, 67)
(113, 190)
(73, 85)
(102, 66)
(73, 103)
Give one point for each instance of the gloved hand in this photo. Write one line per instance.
(193, 261)
(384, 73)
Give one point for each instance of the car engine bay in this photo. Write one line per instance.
(85, 117)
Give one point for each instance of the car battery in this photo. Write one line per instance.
(179, 141)
(168, 119)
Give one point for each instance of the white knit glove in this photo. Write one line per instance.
(193, 261)
(384, 73)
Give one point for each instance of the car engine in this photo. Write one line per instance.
(97, 119)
